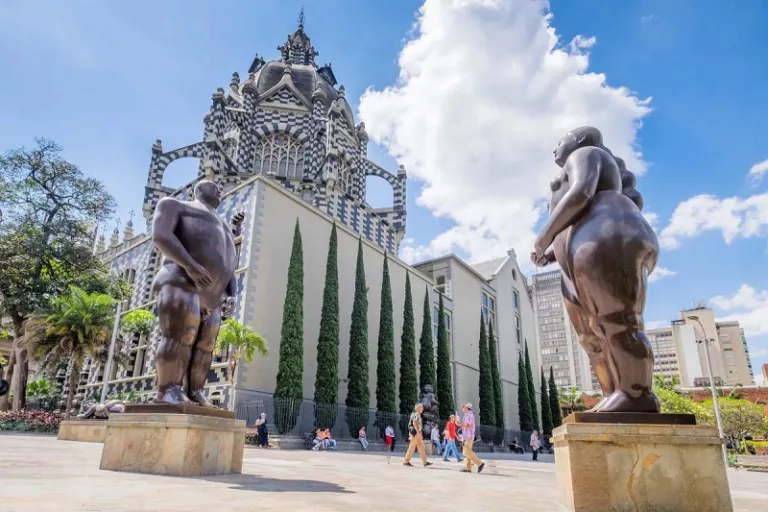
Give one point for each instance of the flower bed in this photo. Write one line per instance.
(30, 421)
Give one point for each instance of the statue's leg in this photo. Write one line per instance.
(593, 346)
(613, 293)
(202, 355)
(179, 315)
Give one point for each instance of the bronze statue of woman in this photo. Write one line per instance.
(606, 250)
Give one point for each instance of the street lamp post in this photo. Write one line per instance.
(712, 386)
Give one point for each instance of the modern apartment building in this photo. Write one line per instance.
(558, 340)
(677, 352)
(497, 290)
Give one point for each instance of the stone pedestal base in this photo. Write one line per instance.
(87, 431)
(173, 444)
(610, 467)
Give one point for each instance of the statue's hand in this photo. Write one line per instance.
(540, 260)
(199, 275)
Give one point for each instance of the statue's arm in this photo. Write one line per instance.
(583, 170)
(231, 287)
(164, 224)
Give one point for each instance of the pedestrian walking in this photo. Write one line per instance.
(415, 438)
(435, 437)
(450, 440)
(535, 445)
(468, 431)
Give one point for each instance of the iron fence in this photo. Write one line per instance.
(297, 418)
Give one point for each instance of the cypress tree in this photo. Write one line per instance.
(531, 391)
(554, 401)
(289, 387)
(497, 398)
(427, 370)
(523, 400)
(327, 377)
(385, 360)
(487, 399)
(358, 394)
(409, 385)
(444, 380)
(546, 413)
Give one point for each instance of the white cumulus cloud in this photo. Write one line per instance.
(758, 170)
(656, 324)
(735, 217)
(749, 307)
(660, 273)
(486, 89)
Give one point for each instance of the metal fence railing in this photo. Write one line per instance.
(297, 418)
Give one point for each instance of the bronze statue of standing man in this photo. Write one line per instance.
(195, 280)
(606, 250)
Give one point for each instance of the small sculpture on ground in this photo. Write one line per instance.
(102, 411)
(196, 279)
(429, 416)
(606, 250)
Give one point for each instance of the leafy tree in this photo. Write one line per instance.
(78, 327)
(661, 382)
(673, 402)
(573, 399)
(498, 400)
(327, 376)
(523, 399)
(39, 388)
(427, 368)
(554, 401)
(487, 402)
(289, 389)
(238, 341)
(409, 386)
(741, 418)
(444, 381)
(546, 412)
(47, 207)
(531, 391)
(138, 321)
(358, 394)
(386, 398)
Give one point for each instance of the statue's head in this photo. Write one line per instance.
(427, 389)
(208, 192)
(575, 139)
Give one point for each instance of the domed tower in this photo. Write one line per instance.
(289, 121)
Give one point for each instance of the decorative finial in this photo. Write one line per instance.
(130, 219)
(301, 18)
(235, 80)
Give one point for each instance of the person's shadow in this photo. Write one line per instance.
(264, 484)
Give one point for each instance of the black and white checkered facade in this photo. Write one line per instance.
(288, 121)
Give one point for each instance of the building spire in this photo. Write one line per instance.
(301, 18)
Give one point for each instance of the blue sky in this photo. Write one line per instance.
(682, 83)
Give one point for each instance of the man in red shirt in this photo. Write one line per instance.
(450, 439)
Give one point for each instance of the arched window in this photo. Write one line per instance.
(345, 177)
(279, 154)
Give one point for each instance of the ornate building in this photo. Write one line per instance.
(288, 125)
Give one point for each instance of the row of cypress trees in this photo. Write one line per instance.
(491, 401)
(433, 371)
(551, 415)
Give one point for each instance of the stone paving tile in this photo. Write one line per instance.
(42, 474)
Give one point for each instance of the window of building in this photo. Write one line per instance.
(516, 299)
(518, 330)
(514, 275)
(279, 154)
(344, 181)
(435, 316)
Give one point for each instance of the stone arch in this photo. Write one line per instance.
(372, 169)
(161, 161)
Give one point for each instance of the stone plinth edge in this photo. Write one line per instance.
(605, 467)
(85, 431)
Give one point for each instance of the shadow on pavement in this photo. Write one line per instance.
(264, 484)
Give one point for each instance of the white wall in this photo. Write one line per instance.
(277, 211)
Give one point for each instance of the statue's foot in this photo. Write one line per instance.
(200, 398)
(173, 395)
(619, 401)
(599, 405)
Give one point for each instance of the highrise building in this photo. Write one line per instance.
(677, 352)
(558, 340)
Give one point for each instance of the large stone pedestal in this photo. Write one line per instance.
(174, 440)
(603, 467)
(87, 431)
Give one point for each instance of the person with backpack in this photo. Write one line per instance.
(415, 437)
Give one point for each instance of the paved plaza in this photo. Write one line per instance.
(41, 474)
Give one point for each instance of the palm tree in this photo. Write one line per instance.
(572, 398)
(237, 341)
(77, 328)
(661, 382)
(138, 321)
